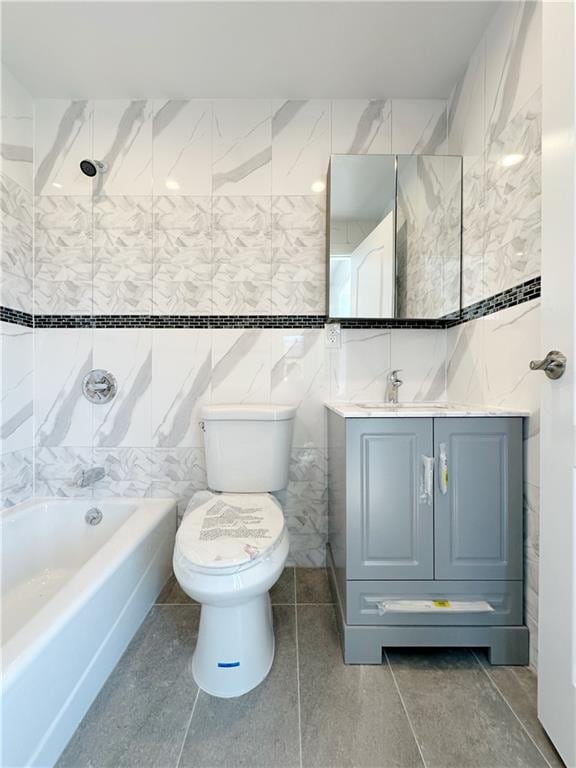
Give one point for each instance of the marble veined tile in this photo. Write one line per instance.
(16, 292)
(242, 147)
(305, 297)
(305, 213)
(466, 110)
(17, 138)
(246, 213)
(419, 126)
(301, 139)
(240, 297)
(182, 147)
(240, 365)
(358, 369)
(132, 213)
(126, 420)
(121, 297)
(16, 477)
(63, 212)
(181, 297)
(182, 369)
(63, 297)
(15, 200)
(63, 137)
(123, 140)
(61, 463)
(421, 357)
(16, 254)
(465, 363)
(299, 376)
(179, 212)
(362, 126)
(62, 415)
(16, 396)
(125, 463)
(54, 263)
(513, 62)
(179, 465)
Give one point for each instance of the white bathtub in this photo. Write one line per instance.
(73, 596)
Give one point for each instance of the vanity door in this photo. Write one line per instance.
(389, 509)
(478, 505)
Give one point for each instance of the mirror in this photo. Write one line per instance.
(394, 239)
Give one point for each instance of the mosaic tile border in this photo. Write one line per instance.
(527, 291)
(16, 317)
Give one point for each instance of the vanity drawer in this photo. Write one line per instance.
(363, 597)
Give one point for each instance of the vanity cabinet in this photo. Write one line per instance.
(427, 509)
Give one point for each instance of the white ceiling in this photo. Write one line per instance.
(240, 49)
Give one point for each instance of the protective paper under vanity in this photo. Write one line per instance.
(231, 529)
(433, 606)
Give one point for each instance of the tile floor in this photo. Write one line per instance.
(440, 709)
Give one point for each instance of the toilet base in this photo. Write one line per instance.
(235, 648)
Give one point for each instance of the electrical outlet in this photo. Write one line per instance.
(332, 335)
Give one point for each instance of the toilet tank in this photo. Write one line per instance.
(247, 446)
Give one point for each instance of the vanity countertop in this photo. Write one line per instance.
(374, 410)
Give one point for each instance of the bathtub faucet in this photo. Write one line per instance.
(90, 476)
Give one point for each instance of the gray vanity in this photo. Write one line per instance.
(426, 529)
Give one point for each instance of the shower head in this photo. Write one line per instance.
(92, 168)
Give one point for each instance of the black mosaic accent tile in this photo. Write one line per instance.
(16, 317)
(527, 291)
(511, 297)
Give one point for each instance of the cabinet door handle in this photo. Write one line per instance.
(427, 479)
(443, 469)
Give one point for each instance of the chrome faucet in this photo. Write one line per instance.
(394, 384)
(88, 477)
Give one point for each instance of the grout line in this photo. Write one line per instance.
(188, 728)
(298, 672)
(503, 697)
(404, 707)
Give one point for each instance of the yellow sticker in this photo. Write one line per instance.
(441, 603)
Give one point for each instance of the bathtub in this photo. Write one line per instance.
(73, 595)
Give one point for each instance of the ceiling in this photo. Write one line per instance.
(224, 49)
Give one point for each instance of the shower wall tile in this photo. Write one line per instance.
(63, 463)
(182, 147)
(241, 147)
(16, 477)
(301, 144)
(181, 383)
(63, 137)
(126, 420)
(16, 258)
(16, 404)
(63, 416)
(362, 126)
(419, 126)
(466, 106)
(123, 141)
(70, 212)
(17, 139)
(513, 62)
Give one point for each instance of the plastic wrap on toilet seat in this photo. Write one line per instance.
(229, 530)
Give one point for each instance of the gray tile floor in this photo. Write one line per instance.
(440, 709)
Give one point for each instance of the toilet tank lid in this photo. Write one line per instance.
(248, 412)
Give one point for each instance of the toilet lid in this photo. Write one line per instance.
(230, 530)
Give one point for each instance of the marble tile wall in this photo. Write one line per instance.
(148, 439)
(16, 288)
(494, 121)
(487, 362)
(207, 207)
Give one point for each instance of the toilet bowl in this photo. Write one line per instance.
(232, 545)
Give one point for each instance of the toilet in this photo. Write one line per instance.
(233, 543)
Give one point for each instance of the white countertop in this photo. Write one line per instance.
(373, 410)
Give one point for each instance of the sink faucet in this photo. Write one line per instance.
(394, 384)
(90, 476)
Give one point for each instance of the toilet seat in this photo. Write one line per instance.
(229, 533)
